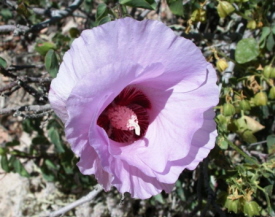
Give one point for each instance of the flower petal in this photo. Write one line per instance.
(138, 42)
(133, 180)
(90, 164)
(189, 140)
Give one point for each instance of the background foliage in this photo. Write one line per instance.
(236, 36)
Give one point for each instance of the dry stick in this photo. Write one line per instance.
(39, 96)
(55, 17)
(33, 108)
(9, 86)
(98, 188)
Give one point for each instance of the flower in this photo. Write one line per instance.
(137, 104)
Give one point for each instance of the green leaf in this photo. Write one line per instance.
(55, 139)
(159, 198)
(180, 191)
(101, 11)
(149, 4)
(51, 63)
(50, 164)
(269, 189)
(43, 48)
(3, 63)
(270, 42)
(5, 163)
(176, 7)
(265, 32)
(3, 151)
(271, 144)
(46, 173)
(6, 14)
(13, 143)
(19, 168)
(247, 49)
(103, 20)
(66, 161)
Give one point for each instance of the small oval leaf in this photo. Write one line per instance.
(51, 63)
(247, 49)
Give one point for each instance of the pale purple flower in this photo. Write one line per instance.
(137, 103)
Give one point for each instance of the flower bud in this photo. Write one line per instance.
(251, 208)
(224, 8)
(228, 109)
(244, 105)
(234, 206)
(267, 71)
(251, 24)
(260, 24)
(260, 99)
(271, 94)
(221, 65)
(272, 73)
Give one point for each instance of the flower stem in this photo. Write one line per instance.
(241, 152)
(267, 199)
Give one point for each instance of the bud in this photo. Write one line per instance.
(271, 94)
(228, 109)
(222, 65)
(251, 24)
(267, 71)
(244, 105)
(272, 73)
(260, 99)
(251, 208)
(260, 24)
(224, 8)
(234, 206)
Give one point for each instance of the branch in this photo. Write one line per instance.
(98, 188)
(56, 16)
(22, 82)
(27, 108)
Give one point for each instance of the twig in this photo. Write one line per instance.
(98, 188)
(7, 28)
(7, 73)
(16, 29)
(13, 68)
(241, 152)
(258, 143)
(9, 86)
(22, 83)
(56, 16)
(27, 108)
(42, 114)
(38, 96)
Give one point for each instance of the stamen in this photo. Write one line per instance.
(126, 118)
(136, 126)
(123, 118)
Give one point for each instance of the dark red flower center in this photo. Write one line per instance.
(126, 119)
